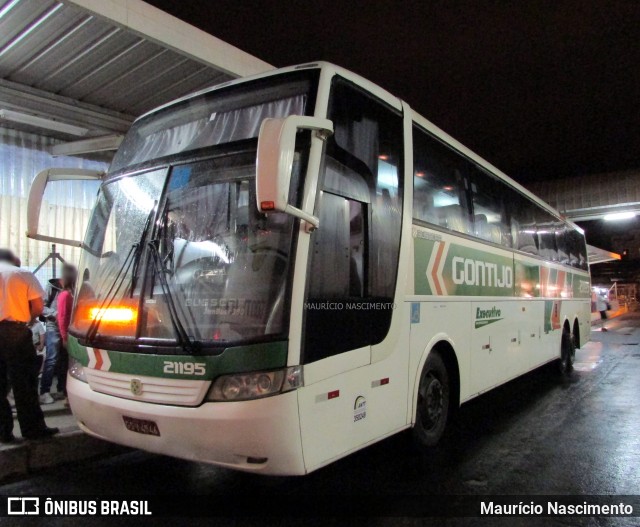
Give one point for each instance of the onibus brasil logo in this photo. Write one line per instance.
(487, 316)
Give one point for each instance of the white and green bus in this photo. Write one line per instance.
(286, 268)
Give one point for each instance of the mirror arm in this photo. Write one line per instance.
(312, 221)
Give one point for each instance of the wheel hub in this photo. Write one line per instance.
(433, 402)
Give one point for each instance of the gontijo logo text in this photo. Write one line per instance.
(476, 272)
(445, 268)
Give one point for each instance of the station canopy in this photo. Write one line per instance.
(596, 256)
(81, 71)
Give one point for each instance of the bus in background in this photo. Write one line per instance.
(284, 269)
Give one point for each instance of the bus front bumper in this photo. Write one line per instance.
(261, 435)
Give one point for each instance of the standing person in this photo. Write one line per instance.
(65, 304)
(53, 341)
(601, 306)
(20, 301)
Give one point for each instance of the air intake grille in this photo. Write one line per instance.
(179, 392)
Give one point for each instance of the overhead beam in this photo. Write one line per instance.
(87, 146)
(598, 213)
(170, 32)
(13, 117)
(20, 97)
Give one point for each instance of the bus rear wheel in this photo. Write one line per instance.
(434, 397)
(567, 353)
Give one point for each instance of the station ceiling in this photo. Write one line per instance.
(592, 197)
(77, 70)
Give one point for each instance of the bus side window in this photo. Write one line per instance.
(584, 263)
(488, 208)
(523, 223)
(562, 243)
(573, 246)
(546, 224)
(577, 249)
(439, 173)
(337, 267)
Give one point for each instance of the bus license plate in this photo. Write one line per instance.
(141, 426)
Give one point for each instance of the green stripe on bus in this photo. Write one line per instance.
(449, 269)
(581, 286)
(237, 359)
(527, 279)
(77, 351)
(422, 253)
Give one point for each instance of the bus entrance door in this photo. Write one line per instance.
(337, 332)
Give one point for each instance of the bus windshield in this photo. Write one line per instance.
(178, 253)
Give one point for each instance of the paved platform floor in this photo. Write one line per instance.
(23, 457)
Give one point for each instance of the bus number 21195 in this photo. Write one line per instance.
(185, 368)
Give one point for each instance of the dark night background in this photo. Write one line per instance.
(540, 89)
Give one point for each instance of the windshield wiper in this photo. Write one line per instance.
(138, 254)
(190, 346)
(112, 292)
(131, 261)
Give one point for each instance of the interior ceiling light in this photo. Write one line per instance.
(40, 122)
(619, 216)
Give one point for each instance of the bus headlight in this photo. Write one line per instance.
(245, 386)
(76, 370)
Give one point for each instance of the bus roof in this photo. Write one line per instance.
(394, 101)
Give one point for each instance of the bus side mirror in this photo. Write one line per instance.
(36, 195)
(276, 150)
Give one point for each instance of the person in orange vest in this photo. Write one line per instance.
(21, 300)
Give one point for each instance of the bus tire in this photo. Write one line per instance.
(567, 353)
(434, 398)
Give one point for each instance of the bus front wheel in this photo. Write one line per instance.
(434, 396)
